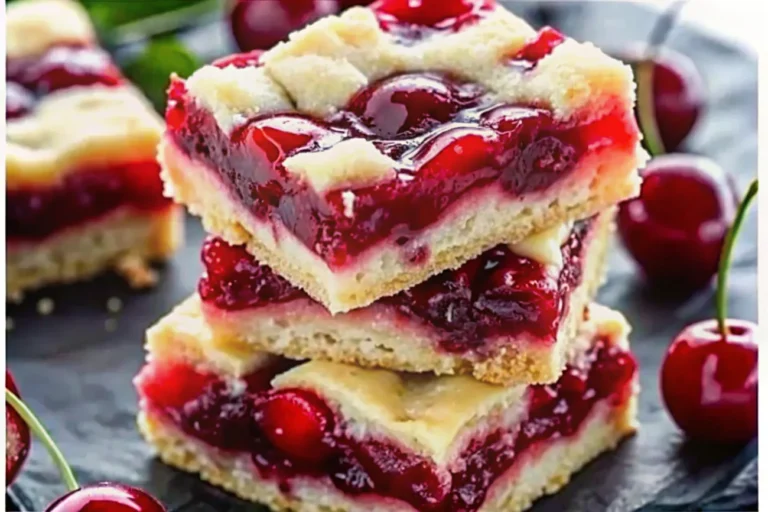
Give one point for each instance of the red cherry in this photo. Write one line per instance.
(17, 436)
(709, 383)
(679, 95)
(296, 422)
(676, 228)
(426, 12)
(405, 104)
(171, 385)
(106, 497)
(261, 24)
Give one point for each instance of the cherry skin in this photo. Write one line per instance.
(676, 228)
(426, 12)
(106, 497)
(261, 24)
(709, 383)
(679, 95)
(296, 423)
(17, 436)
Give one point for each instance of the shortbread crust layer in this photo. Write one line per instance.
(434, 417)
(483, 222)
(81, 252)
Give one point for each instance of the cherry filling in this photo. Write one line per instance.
(413, 20)
(448, 136)
(496, 294)
(34, 213)
(60, 67)
(292, 433)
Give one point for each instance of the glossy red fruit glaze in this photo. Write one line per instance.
(297, 423)
(34, 213)
(709, 384)
(234, 280)
(679, 94)
(676, 228)
(546, 40)
(496, 294)
(261, 24)
(106, 497)
(410, 105)
(64, 66)
(375, 466)
(17, 436)
(519, 149)
(240, 60)
(412, 20)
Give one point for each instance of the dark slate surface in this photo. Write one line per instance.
(76, 373)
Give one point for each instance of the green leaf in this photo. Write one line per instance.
(108, 14)
(151, 69)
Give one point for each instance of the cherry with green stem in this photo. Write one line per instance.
(105, 497)
(17, 437)
(709, 376)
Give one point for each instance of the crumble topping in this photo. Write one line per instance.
(80, 127)
(29, 30)
(350, 163)
(233, 94)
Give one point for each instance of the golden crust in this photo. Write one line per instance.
(375, 337)
(427, 413)
(84, 251)
(33, 26)
(600, 182)
(92, 127)
(545, 474)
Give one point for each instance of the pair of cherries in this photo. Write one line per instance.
(681, 231)
(102, 497)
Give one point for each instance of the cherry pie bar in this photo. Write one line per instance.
(326, 436)
(380, 147)
(83, 186)
(501, 317)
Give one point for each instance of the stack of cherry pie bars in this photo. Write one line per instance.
(409, 213)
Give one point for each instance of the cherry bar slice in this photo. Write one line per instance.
(380, 147)
(83, 185)
(507, 316)
(352, 439)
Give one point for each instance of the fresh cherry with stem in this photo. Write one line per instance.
(102, 497)
(670, 90)
(17, 437)
(709, 374)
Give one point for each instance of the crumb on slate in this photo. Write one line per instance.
(114, 304)
(8, 323)
(110, 324)
(136, 271)
(45, 306)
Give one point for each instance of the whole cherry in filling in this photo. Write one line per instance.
(676, 228)
(293, 432)
(709, 376)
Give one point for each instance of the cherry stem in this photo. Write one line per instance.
(721, 298)
(37, 428)
(645, 99)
